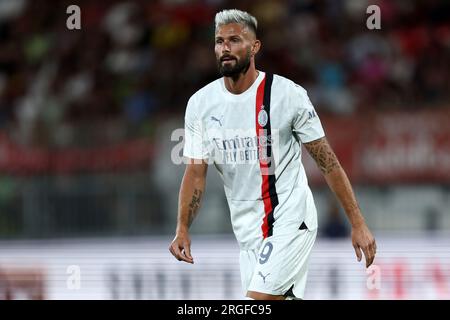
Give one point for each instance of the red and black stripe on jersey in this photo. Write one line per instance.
(268, 189)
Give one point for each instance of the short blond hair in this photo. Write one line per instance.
(236, 16)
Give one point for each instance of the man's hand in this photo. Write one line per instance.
(180, 247)
(362, 239)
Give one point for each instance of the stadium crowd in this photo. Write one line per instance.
(134, 63)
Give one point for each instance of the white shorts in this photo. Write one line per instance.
(279, 266)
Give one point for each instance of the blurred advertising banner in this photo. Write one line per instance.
(413, 267)
(407, 148)
(22, 160)
(395, 147)
(19, 282)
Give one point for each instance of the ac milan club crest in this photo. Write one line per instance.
(262, 117)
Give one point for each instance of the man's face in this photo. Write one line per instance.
(233, 47)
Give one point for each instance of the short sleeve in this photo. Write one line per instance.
(306, 124)
(195, 144)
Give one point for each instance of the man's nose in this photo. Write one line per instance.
(226, 47)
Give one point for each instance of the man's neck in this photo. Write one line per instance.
(242, 82)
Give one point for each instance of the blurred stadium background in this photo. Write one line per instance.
(88, 193)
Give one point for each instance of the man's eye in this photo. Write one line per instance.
(219, 41)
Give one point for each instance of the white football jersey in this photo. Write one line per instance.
(254, 140)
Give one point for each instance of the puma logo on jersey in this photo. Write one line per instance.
(218, 120)
(263, 276)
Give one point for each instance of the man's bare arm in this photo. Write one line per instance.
(321, 151)
(189, 201)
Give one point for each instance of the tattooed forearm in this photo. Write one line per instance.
(194, 205)
(324, 156)
(336, 178)
(190, 196)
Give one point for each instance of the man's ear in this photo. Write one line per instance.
(255, 47)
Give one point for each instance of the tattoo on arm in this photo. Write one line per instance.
(194, 205)
(321, 152)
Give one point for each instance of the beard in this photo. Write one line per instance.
(233, 71)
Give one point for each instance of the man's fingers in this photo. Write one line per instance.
(374, 250)
(358, 252)
(185, 258)
(175, 250)
(368, 253)
(363, 240)
(187, 251)
(178, 252)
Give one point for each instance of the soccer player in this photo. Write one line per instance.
(251, 125)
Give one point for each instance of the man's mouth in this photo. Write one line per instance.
(225, 59)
